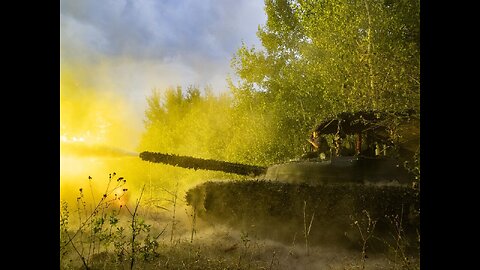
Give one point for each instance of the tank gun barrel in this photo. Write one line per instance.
(205, 164)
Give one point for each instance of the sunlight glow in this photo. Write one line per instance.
(96, 134)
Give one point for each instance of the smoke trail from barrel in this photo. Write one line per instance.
(94, 150)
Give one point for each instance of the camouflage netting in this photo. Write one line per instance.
(276, 210)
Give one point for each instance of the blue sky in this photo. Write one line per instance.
(126, 48)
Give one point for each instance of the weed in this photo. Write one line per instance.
(306, 230)
(365, 228)
(401, 259)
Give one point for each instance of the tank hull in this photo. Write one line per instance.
(351, 169)
(279, 211)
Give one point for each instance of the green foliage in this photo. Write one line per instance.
(64, 227)
(99, 230)
(191, 123)
(320, 58)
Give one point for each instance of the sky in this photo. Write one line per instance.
(113, 53)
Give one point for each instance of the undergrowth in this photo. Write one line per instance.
(106, 231)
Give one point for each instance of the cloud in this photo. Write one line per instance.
(160, 30)
(127, 48)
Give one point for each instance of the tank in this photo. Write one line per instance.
(353, 170)
(374, 158)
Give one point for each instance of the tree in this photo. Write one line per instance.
(187, 123)
(320, 58)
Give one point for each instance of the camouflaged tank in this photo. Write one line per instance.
(359, 150)
(358, 172)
